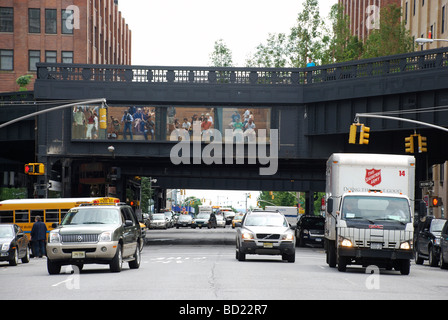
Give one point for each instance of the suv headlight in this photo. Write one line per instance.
(105, 236)
(5, 246)
(288, 237)
(247, 236)
(54, 237)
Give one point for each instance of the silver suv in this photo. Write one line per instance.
(103, 234)
(265, 232)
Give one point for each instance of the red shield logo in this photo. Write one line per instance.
(373, 177)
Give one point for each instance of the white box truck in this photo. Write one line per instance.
(290, 213)
(370, 211)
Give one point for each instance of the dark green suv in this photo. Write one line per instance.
(103, 234)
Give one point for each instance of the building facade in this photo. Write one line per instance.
(60, 31)
(427, 19)
(365, 15)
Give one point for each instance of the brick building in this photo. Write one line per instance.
(62, 31)
(364, 14)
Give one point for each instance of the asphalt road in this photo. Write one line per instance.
(188, 264)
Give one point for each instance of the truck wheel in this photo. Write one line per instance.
(405, 267)
(117, 261)
(135, 264)
(331, 254)
(342, 264)
(52, 267)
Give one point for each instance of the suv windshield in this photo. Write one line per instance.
(376, 208)
(265, 220)
(92, 216)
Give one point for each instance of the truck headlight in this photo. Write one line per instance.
(345, 242)
(405, 246)
(105, 237)
(54, 237)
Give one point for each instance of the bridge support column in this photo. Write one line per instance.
(309, 203)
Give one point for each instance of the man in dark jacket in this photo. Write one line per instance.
(38, 236)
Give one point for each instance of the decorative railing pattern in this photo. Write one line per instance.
(405, 63)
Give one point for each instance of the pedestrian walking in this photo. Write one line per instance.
(38, 237)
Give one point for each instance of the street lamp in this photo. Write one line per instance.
(422, 41)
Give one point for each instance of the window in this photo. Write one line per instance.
(67, 56)
(6, 217)
(6, 19)
(34, 20)
(51, 56)
(33, 58)
(67, 21)
(51, 21)
(7, 60)
(443, 18)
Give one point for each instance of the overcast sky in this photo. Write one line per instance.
(183, 32)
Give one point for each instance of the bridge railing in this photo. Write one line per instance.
(404, 63)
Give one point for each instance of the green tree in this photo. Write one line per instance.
(281, 198)
(221, 55)
(309, 38)
(391, 38)
(343, 45)
(273, 54)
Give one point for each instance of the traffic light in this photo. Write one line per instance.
(409, 144)
(35, 169)
(422, 144)
(435, 202)
(353, 132)
(364, 135)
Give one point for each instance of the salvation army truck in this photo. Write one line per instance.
(370, 211)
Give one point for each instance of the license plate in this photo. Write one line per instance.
(318, 239)
(376, 246)
(78, 254)
(268, 245)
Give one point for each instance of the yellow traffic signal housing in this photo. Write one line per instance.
(35, 169)
(422, 144)
(353, 131)
(409, 144)
(364, 135)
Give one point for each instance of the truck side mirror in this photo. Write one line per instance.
(330, 205)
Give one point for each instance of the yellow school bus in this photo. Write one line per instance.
(24, 211)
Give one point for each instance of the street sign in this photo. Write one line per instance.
(426, 184)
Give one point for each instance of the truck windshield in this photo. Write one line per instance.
(376, 208)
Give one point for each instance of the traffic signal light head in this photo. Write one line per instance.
(35, 169)
(435, 202)
(364, 135)
(422, 144)
(409, 144)
(353, 131)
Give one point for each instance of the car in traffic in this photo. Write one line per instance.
(103, 234)
(310, 230)
(14, 244)
(201, 220)
(170, 218)
(443, 260)
(265, 233)
(220, 221)
(237, 219)
(228, 215)
(428, 241)
(184, 220)
(158, 221)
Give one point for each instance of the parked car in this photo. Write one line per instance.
(310, 230)
(158, 221)
(444, 247)
(184, 220)
(265, 233)
(14, 244)
(220, 221)
(427, 241)
(201, 220)
(104, 234)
